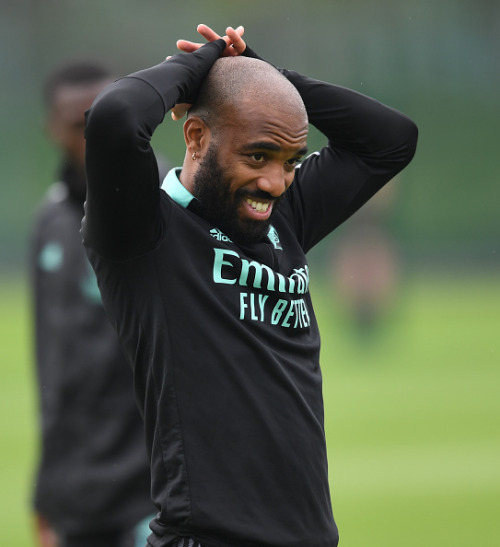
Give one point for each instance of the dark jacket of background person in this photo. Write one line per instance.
(93, 471)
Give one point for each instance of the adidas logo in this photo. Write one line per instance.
(219, 236)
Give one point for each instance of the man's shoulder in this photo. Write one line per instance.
(57, 217)
(55, 199)
(56, 204)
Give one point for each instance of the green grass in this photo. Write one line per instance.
(412, 418)
(412, 414)
(17, 416)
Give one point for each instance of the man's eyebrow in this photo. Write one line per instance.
(271, 146)
(261, 145)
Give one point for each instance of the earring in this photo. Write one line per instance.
(193, 157)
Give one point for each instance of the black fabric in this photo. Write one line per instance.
(93, 471)
(223, 338)
(103, 539)
(74, 180)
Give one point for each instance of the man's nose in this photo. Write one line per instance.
(275, 180)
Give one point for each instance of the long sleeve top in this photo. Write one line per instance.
(222, 337)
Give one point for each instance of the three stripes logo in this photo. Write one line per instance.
(219, 236)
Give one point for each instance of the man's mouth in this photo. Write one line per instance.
(259, 206)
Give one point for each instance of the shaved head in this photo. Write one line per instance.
(236, 81)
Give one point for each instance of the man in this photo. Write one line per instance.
(207, 283)
(92, 485)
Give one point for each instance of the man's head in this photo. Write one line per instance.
(247, 131)
(68, 93)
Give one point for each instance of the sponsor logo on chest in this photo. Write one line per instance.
(269, 296)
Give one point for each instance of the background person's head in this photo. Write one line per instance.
(244, 136)
(68, 92)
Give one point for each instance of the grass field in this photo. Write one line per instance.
(412, 416)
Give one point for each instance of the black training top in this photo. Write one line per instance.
(222, 337)
(93, 471)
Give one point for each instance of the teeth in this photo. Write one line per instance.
(259, 206)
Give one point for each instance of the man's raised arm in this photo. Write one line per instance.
(122, 208)
(368, 144)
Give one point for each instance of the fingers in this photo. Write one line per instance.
(188, 46)
(235, 46)
(237, 42)
(210, 35)
(233, 38)
(235, 34)
(207, 33)
(179, 110)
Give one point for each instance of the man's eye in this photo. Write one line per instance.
(293, 162)
(259, 158)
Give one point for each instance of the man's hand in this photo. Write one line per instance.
(233, 38)
(235, 46)
(179, 111)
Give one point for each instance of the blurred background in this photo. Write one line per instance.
(407, 291)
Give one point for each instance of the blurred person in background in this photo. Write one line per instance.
(207, 284)
(93, 481)
(365, 266)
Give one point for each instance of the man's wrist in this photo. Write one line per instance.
(249, 52)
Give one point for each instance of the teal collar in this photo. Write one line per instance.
(174, 188)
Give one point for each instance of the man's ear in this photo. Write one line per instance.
(196, 135)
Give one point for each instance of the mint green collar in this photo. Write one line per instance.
(174, 188)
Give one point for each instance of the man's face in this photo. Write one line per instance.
(66, 123)
(249, 165)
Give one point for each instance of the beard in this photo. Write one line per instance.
(217, 205)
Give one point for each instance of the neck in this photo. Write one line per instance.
(74, 177)
(189, 168)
